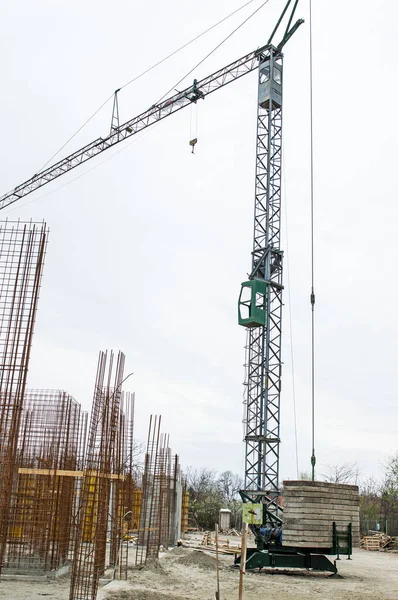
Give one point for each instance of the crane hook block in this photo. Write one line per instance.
(193, 143)
(252, 303)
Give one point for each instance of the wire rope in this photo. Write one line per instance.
(187, 43)
(75, 134)
(212, 51)
(290, 315)
(133, 141)
(144, 73)
(312, 297)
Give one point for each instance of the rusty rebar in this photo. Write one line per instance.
(22, 251)
(43, 499)
(90, 546)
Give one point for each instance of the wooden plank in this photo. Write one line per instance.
(312, 509)
(343, 522)
(312, 544)
(314, 524)
(298, 500)
(325, 539)
(303, 520)
(49, 472)
(304, 483)
(316, 531)
(316, 542)
(328, 526)
(66, 473)
(332, 514)
(320, 540)
(320, 494)
(321, 516)
(323, 487)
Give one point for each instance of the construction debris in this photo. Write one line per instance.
(379, 541)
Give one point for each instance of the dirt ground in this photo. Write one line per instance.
(185, 574)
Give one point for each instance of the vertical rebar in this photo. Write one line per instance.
(22, 251)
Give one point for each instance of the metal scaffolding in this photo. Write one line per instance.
(22, 251)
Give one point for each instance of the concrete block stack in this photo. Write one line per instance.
(311, 507)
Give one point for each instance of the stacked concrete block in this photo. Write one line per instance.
(311, 507)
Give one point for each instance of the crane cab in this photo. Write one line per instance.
(270, 83)
(252, 303)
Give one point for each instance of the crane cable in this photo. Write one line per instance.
(212, 51)
(144, 73)
(141, 75)
(290, 312)
(95, 166)
(312, 297)
(188, 43)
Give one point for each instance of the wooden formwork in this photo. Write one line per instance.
(311, 508)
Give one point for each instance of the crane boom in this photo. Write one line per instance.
(157, 112)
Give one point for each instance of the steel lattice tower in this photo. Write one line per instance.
(263, 351)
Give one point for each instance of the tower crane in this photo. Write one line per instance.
(260, 300)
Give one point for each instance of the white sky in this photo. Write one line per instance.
(148, 250)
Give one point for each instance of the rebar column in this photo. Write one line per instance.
(22, 251)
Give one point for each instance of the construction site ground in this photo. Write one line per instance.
(188, 574)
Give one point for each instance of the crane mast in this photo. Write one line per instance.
(260, 302)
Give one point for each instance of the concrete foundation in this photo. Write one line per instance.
(26, 575)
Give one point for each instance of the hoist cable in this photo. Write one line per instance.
(75, 134)
(312, 297)
(212, 51)
(290, 313)
(121, 149)
(144, 73)
(187, 44)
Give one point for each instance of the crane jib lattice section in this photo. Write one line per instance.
(155, 113)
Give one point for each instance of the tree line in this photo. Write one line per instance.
(378, 496)
(208, 492)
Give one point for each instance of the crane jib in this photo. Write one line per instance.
(199, 90)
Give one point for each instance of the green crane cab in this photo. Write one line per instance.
(252, 303)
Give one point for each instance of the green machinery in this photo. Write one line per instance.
(271, 553)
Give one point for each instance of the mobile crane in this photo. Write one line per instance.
(260, 300)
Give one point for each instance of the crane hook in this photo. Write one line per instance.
(192, 143)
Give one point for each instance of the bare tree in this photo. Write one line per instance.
(229, 485)
(305, 476)
(342, 473)
(205, 499)
(201, 481)
(208, 493)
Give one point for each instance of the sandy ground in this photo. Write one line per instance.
(184, 574)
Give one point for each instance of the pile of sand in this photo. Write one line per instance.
(140, 595)
(152, 565)
(198, 559)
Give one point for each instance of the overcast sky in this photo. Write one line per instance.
(147, 250)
